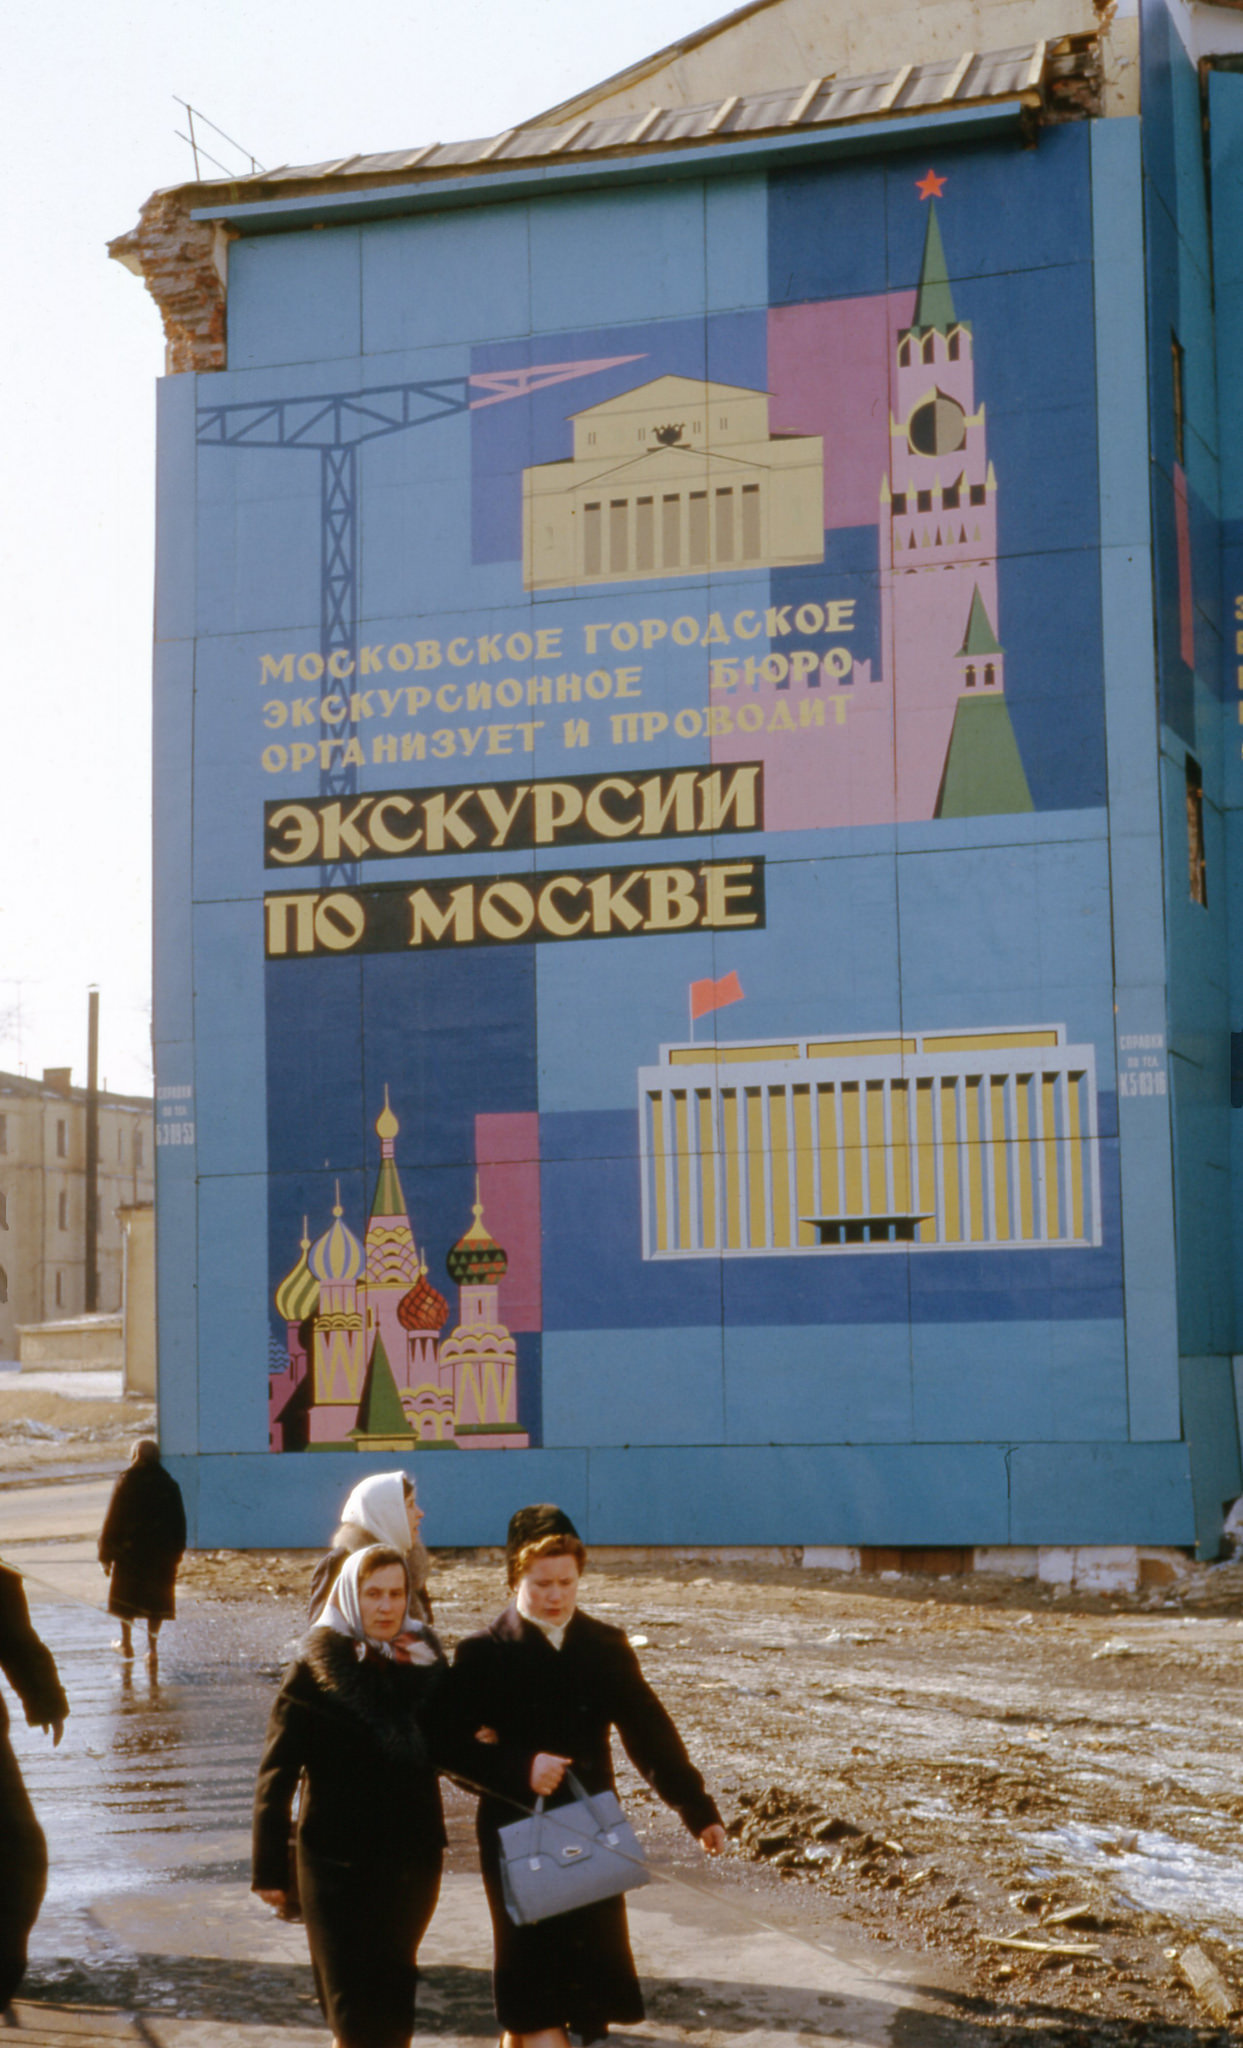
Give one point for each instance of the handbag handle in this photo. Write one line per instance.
(583, 1796)
(580, 1792)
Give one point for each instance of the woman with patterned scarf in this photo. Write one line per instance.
(361, 1721)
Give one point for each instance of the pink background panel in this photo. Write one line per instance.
(507, 1155)
(828, 371)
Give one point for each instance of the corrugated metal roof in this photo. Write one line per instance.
(972, 79)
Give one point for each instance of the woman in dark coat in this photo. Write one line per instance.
(381, 1509)
(30, 1668)
(361, 1720)
(549, 1682)
(141, 1545)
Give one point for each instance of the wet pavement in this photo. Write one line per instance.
(149, 1931)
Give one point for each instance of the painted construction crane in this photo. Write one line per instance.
(334, 426)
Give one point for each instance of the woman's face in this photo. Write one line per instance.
(551, 1589)
(414, 1515)
(382, 1598)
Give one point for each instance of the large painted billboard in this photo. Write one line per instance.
(650, 810)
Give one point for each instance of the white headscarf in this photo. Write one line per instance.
(378, 1507)
(415, 1643)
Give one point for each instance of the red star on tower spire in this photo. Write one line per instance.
(931, 185)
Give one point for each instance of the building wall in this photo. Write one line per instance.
(513, 889)
(1199, 767)
(43, 1198)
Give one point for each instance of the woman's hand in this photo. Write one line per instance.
(277, 1900)
(547, 1772)
(713, 1839)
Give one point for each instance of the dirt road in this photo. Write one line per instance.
(952, 1765)
(959, 1766)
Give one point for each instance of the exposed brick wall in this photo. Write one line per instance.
(176, 257)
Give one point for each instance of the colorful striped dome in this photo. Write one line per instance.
(297, 1297)
(337, 1257)
(476, 1260)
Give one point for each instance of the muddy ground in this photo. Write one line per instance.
(953, 1765)
(39, 1429)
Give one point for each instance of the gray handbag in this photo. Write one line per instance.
(569, 1856)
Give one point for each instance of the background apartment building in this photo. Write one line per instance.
(43, 1195)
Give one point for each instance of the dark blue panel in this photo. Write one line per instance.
(1159, 48)
(505, 438)
(596, 1278)
(826, 233)
(315, 1110)
(1051, 631)
(1003, 209)
(845, 232)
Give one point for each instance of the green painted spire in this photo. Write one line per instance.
(380, 1412)
(389, 1200)
(983, 767)
(934, 304)
(980, 637)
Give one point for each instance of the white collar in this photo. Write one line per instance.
(552, 1632)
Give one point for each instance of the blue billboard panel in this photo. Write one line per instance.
(649, 821)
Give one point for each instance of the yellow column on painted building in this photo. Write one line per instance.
(931, 1140)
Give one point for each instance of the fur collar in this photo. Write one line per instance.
(386, 1698)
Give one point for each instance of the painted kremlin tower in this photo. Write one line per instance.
(364, 1366)
(925, 731)
(955, 752)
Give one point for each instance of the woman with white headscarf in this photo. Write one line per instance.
(361, 1720)
(381, 1509)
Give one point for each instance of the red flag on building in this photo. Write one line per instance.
(714, 995)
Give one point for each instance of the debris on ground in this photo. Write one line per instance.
(1207, 1982)
(969, 1766)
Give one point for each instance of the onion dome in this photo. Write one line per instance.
(337, 1257)
(298, 1294)
(476, 1260)
(423, 1308)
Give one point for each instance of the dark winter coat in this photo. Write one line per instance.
(575, 1970)
(349, 1539)
(31, 1670)
(369, 1736)
(141, 1543)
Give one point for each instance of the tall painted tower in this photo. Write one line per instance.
(339, 1345)
(392, 1267)
(939, 564)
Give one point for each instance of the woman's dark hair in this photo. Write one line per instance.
(546, 1546)
(407, 1487)
(380, 1555)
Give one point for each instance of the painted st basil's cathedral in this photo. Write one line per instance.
(366, 1365)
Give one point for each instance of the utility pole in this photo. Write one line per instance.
(92, 1152)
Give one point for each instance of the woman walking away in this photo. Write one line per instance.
(360, 1719)
(141, 1545)
(30, 1668)
(549, 1682)
(382, 1509)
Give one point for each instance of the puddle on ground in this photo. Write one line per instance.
(1152, 1871)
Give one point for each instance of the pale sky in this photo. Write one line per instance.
(87, 108)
